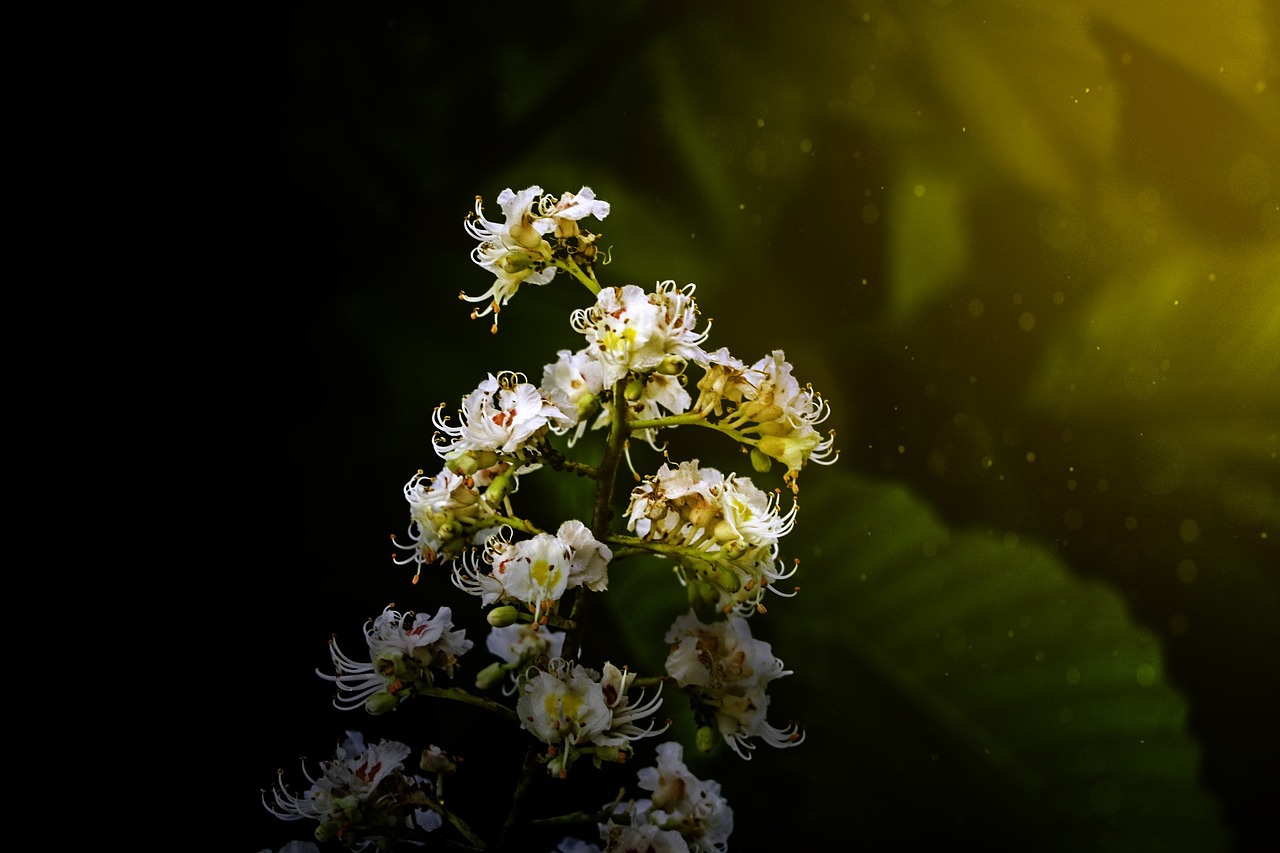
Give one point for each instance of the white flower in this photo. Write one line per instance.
(441, 509)
(729, 520)
(533, 571)
(781, 414)
(751, 516)
(641, 838)
(615, 683)
(677, 319)
(572, 207)
(403, 649)
(725, 379)
(573, 384)
(676, 505)
(513, 250)
(573, 708)
(683, 802)
(630, 330)
(563, 705)
(621, 331)
(498, 417)
(727, 672)
(520, 646)
(525, 641)
(427, 820)
(589, 560)
(536, 571)
(353, 775)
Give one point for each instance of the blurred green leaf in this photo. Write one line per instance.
(933, 205)
(956, 688)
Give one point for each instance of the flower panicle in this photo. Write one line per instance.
(642, 368)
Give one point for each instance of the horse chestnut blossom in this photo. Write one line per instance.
(516, 251)
(403, 649)
(682, 802)
(630, 383)
(519, 645)
(498, 417)
(573, 383)
(726, 672)
(445, 512)
(629, 330)
(577, 710)
(538, 570)
(360, 794)
(766, 405)
(724, 530)
(682, 812)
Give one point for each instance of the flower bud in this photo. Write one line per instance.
(727, 579)
(701, 594)
(617, 754)
(774, 427)
(634, 390)
(381, 703)
(501, 617)
(471, 461)
(705, 739)
(792, 451)
(490, 675)
(760, 461)
(672, 365)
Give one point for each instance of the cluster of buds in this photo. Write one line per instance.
(718, 532)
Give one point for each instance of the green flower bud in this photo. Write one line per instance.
(760, 460)
(634, 390)
(774, 427)
(472, 461)
(705, 739)
(616, 754)
(727, 579)
(490, 675)
(328, 831)
(672, 365)
(381, 703)
(501, 617)
(701, 594)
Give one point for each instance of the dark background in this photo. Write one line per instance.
(311, 164)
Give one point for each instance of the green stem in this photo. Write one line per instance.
(671, 421)
(663, 549)
(515, 524)
(552, 619)
(457, 694)
(696, 419)
(560, 462)
(459, 824)
(570, 266)
(527, 775)
(602, 511)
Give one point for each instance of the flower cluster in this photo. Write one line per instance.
(641, 371)
(723, 531)
(359, 795)
(403, 649)
(681, 813)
